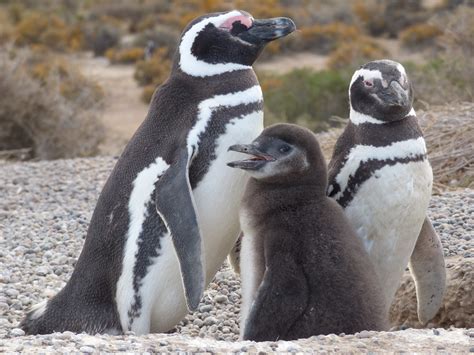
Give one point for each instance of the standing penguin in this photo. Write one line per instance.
(168, 214)
(380, 175)
(301, 260)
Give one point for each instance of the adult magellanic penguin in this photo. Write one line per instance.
(168, 214)
(380, 175)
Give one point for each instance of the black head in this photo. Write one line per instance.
(221, 42)
(283, 153)
(380, 90)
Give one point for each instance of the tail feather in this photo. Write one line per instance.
(55, 316)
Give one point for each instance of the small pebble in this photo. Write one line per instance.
(17, 332)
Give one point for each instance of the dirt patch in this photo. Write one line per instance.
(123, 111)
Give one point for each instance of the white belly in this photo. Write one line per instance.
(217, 199)
(387, 213)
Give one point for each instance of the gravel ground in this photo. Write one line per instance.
(44, 213)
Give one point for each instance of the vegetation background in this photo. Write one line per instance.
(76, 75)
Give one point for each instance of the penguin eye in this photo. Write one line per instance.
(285, 148)
(368, 83)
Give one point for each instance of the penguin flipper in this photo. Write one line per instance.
(175, 205)
(281, 300)
(428, 270)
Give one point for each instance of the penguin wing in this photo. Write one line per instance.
(281, 300)
(175, 204)
(427, 268)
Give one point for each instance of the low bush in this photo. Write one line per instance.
(389, 17)
(355, 53)
(55, 116)
(306, 97)
(420, 35)
(447, 77)
(152, 72)
(125, 55)
(325, 38)
(36, 28)
(161, 36)
(100, 37)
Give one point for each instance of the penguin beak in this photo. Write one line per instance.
(257, 161)
(396, 95)
(267, 30)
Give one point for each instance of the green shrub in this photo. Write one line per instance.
(56, 116)
(306, 97)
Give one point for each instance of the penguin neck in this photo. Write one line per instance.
(315, 185)
(358, 119)
(231, 81)
(374, 134)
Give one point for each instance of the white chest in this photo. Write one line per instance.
(218, 195)
(387, 212)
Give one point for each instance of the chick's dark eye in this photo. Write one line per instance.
(368, 83)
(285, 148)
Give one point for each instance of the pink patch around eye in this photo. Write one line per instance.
(244, 20)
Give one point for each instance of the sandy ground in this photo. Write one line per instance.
(124, 110)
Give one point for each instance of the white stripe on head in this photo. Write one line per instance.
(367, 74)
(143, 187)
(362, 153)
(195, 67)
(401, 69)
(206, 107)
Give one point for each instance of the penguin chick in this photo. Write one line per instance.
(303, 267)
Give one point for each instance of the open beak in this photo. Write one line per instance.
(267, 30)
(258, 159)
(396, 95)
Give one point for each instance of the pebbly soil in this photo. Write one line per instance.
(44, 214)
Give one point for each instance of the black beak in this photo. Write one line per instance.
(396, 95)
(268, 30)
(258, 160)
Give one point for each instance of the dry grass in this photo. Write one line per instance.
(449, 135)
(57, 117)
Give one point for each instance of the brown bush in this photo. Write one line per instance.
(101, 36)
(52, 118)
(390, 16)
(125, 55)
(325, 38)
(420, 35)
(48, 30)
(355, 53)
(151, 73)
(447, 76)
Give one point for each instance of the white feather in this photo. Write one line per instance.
(358, 118)
(361, 153)
(141, 195)
(190, 64)
(38, 310)
(366, 74)
(387, 213)
(206, 107)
